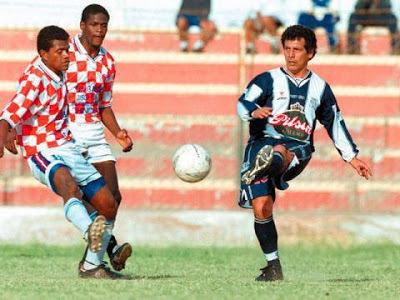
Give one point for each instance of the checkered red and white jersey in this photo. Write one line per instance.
(39, 110)
(89, 83)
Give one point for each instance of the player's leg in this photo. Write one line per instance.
(269, 161)
(208, 31)
(267, 235)
(252, 28)
(260, 196)
(271, 25)
(54, 172)
(93, 186)
(118, 254)
(182, 24)
(75, 212)
(98, 153)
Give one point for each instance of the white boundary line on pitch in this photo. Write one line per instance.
(220, 89)
(171, 57)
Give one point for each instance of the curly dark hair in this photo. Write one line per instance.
(48, 34)
(93, 9)
(296, 32)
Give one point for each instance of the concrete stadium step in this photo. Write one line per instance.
(156, 163)
(222, 99)
(227, 41)
(379, 132)
(162, 67)
(375, 196)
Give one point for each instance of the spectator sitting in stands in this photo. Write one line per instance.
(372, 13)
(195, 13)
(266, 17)
(322, 13)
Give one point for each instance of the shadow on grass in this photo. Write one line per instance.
(156, 277)
(346, 280)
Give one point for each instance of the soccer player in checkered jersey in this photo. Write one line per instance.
(90, 78)
(39, 114)
(282, 106)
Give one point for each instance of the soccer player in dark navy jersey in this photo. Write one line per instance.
(282, 106)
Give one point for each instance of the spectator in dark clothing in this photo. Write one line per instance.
(195, 13)
(372, 13)
(322, 13)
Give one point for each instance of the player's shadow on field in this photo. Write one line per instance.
(350, 280)
(156, 277)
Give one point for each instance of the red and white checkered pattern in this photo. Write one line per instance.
(39, 110)
(89, 82)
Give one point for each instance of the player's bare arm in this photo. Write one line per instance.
(11, 141)
(111, 123)
(262, 113)
(4, 128)
(361, 167)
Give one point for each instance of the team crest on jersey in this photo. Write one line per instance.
(292, 123)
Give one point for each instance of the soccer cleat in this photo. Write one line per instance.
(272, 272)
(95, 233)
(260, 165)
(119, 257)
(100, 272)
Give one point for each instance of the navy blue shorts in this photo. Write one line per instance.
(266, 186)
(192, 19)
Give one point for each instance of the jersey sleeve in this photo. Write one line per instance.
(24, 104)
(106, 97)
(329, 115)
(254, 96)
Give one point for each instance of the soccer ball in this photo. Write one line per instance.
(191, 162)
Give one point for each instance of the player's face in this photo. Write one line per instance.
(57, 57)
(296, 56)
(94, 30)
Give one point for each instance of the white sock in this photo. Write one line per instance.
(183, 45)
(271, 256)
(93, 260)
(199, 44)
(76, 213)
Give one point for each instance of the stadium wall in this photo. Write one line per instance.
(165, 98)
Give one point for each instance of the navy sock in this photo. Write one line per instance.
(276, 165)
(267, 236)
(111, 244)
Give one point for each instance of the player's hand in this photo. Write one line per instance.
(262, 113)
(11, 142)
(361, 167)
(124, 140)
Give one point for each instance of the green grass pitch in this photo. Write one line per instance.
(311, 272)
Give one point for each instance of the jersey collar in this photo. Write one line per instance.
(297, 81)
(82, 49)
(49, 72)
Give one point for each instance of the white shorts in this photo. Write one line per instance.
(44, 164)
(91, 140)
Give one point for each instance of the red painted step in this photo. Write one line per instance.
(291, 200)
(209, 73)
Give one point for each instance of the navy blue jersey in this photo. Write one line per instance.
(296, 104)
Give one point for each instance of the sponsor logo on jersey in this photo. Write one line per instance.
(292, 123)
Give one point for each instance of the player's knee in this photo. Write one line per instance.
(248, 25)
(286, 154)
(117, 196)
(108, 208)
(263, 207)
(182, 23)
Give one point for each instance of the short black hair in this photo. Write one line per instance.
(296, 32)
(48, 34)
(94, 9)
